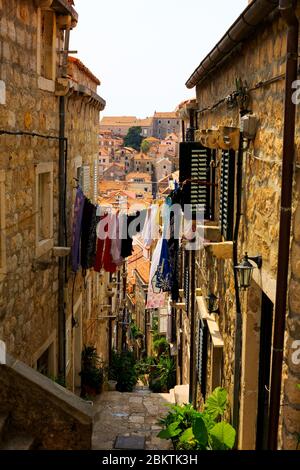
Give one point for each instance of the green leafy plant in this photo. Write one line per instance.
(91, 372)
(199, 430)
(122, 369)
(161, 346)
(135, 331)
(162, 376)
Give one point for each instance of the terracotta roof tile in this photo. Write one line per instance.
(84, 69)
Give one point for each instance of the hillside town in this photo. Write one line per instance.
(149, 266)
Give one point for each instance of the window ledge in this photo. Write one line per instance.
(43, 247)
(46, 84)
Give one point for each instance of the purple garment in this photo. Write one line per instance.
(76, 231)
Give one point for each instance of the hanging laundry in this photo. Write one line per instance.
(164, 273)
(88, 235)
(100, 245)
(127, 241)
(116, 242)
(155, 299)
(76, 230)
(108, 263)
(151, 228)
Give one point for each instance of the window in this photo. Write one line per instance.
(168, 122)
(194, 165)
(2, 224)
(146, 190)
(227, 193)
(44, 208)
(46, 44)
(159, 122)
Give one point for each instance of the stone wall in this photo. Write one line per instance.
(260, 58)
(29, 283)
(55, 418)
(28, 290)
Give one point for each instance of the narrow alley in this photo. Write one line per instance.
(149, 226)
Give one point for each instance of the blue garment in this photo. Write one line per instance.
(164, 273)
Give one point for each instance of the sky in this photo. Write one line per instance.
(144, 51)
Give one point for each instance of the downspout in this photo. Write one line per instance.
(238, 325)
(287, 9)
(192, 394)
(62, 216)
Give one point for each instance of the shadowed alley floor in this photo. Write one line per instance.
(130, 414)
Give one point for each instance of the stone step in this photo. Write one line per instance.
(172, 395)
(18, 442)
(181, 394)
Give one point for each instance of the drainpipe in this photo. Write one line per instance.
(238, 325)
(62, 216)
(192, 393)
(287, 10)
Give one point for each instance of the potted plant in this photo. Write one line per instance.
(91, 372)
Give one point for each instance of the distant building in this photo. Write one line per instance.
(114, 172)
(165, 124)
(163, 167)
(104, 161)
(141, 162)
(160, 125)
(139, 182)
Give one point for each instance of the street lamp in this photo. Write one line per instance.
(245, 270)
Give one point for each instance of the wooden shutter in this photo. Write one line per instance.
(84, 179)
(202, 355)
(95, 180)
(227, 193)
(194, 164)
(186, 281)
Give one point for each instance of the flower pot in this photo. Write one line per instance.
(112, 385)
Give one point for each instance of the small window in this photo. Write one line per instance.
(168, 122)
(159, 122)
(44, 198)
(46, 44)
(44, 207)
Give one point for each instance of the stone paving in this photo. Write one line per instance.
(130, 414)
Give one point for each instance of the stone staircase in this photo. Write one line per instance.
(12, 440)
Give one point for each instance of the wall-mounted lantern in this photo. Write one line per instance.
(245, 270)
